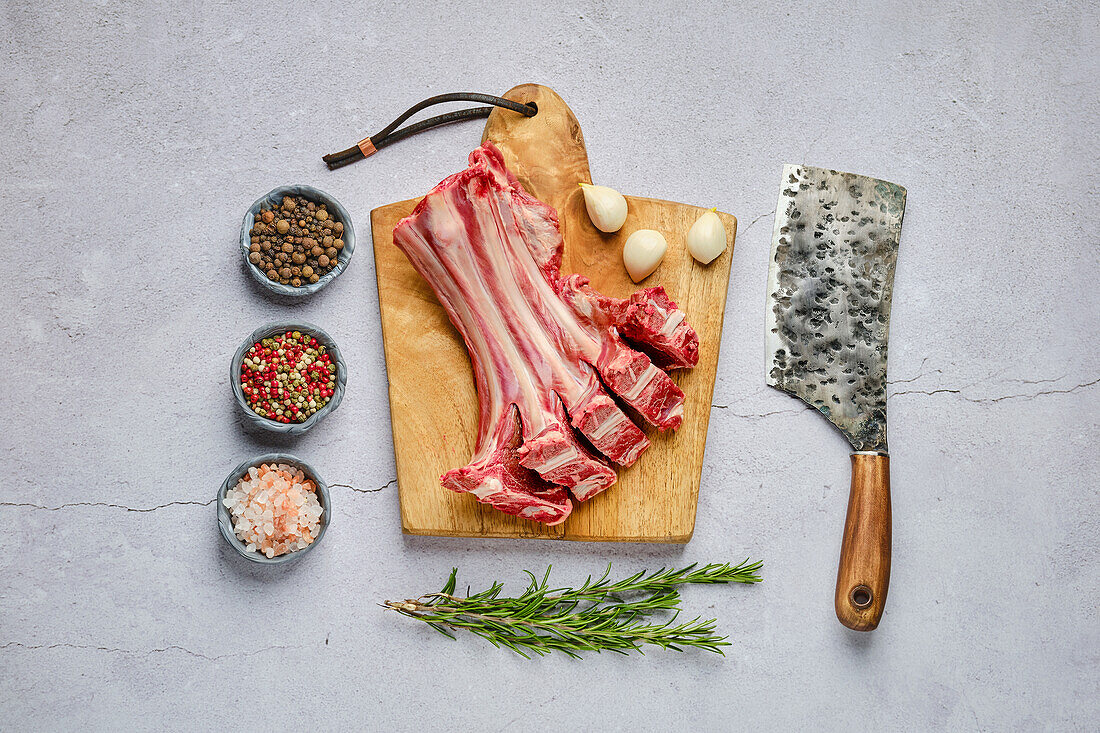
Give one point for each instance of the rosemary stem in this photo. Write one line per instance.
(598, 615)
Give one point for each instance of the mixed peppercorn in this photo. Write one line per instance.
(287, 377)
(295, 243)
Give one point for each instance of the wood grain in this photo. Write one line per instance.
(863, 577)
(433, 404)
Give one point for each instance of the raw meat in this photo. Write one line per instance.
(543, 346)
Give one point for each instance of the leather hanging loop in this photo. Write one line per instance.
(390, 134)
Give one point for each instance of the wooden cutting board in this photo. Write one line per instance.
(433, 403)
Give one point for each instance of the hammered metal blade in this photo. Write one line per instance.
(834, 247)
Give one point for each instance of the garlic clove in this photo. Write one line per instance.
(707, 238)
(643, 251)
(606, 207)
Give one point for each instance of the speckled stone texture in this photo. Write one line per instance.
(132, 138)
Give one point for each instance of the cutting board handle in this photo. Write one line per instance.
(545, 152)
(864, 574)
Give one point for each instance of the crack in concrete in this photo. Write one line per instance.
(142, 510)
(749, 225)
(145, 510)
(930, 392)
(1039, 381)
(989, 400)
(913, 379)
(147, 652)
(753, 416)
(920, 373)
(356, 489)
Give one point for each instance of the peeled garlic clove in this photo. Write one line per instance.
(643, 251)
(707, 238)
(606, 207)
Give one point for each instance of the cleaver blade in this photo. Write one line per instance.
(830, 282)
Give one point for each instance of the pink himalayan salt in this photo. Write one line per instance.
(275, 509)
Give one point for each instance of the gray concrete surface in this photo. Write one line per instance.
(133, 136)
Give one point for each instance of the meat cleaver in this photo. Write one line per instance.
(834, 247)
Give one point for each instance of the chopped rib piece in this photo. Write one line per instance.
(652, 320)
(498, 478)
(557, 456)
(542, 345)
(648, 318)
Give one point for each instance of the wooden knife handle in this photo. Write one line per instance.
(864, 574)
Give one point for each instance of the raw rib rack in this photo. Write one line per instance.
(548, 352)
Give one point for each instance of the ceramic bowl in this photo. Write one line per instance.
(225, 519)
(272, 200)
(270, 330)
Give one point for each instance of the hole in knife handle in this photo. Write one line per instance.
(861, 597)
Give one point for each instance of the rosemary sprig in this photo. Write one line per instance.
(599, 615)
